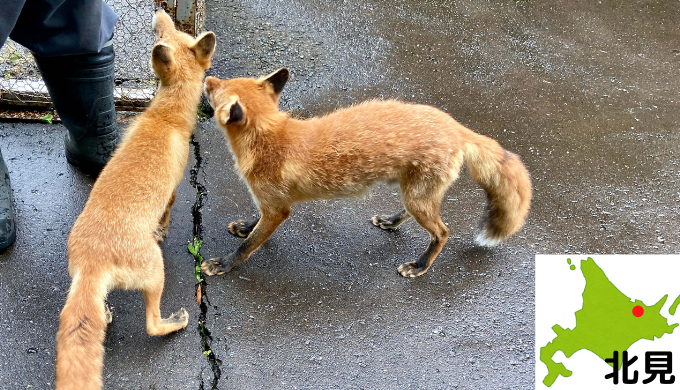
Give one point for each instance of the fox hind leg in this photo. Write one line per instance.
(153, 290)
(390, 222)
(155, 325)
(242, 228)
(425, 210)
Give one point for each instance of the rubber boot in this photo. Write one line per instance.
(7, 229)
(81, 88)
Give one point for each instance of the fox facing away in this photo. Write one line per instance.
(286, 161)
(114, 241)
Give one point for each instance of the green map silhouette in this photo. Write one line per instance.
(605, 323)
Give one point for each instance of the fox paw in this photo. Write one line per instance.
(384, 222)
(411, 270)
(177, 321)
(239, 228)
(179, 317)
(215, 266)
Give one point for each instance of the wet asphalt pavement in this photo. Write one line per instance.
(585, 92)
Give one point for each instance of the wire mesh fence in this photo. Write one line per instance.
(132, 42)
(21, 84)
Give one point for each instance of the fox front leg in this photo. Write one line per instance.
(267, 224)
(242, 228)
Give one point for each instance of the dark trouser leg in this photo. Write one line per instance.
(81, 87)
(7, 228)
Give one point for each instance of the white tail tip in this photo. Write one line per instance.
(483, 239)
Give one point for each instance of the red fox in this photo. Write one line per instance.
(114, 241)
(285, 161)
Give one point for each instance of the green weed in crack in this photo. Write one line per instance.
(194, 248)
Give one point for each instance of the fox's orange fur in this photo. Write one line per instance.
(114, 242)
(286, 161)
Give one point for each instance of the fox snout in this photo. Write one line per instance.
(208, 87)
(226, 108)
(207, 103)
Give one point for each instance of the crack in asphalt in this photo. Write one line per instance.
(201, 287)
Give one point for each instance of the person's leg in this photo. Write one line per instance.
(71, 43)
(11, 10)
(7, 229)
(81, 88)
(81, 85)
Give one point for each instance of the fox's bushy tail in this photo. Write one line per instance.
(80, 340)
(507, 185)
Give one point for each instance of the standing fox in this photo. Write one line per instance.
(114, 242)
(286, 161)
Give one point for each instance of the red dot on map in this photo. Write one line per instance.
(638, 311)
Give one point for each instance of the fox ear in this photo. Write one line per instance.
(278, 80)
(162, 60)
(230, 113)
(161, 22)
(204, 47)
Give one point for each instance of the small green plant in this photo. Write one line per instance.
(208, 352)
(47, 118)
(14, 57)
(202, 115)
(195, 249)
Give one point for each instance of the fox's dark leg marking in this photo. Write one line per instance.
(426, 213)
(387, 222)
(416, 268)
(270, 220)
(162, 229)
(242, 228)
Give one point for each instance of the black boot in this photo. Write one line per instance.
(81, 88)
(7, 230)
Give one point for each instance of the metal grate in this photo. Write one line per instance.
(20, 82)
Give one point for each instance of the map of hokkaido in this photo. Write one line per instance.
(608, 321)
